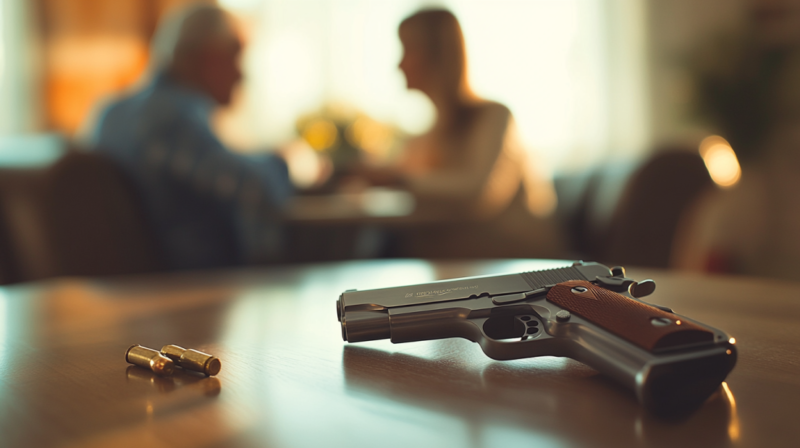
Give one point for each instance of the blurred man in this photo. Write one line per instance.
(209, 207)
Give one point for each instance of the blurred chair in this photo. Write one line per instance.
(655, 198)
(23, 161)
(78, 216)
(627, 212)
(24, 252)
(587, 202)
(95, 223)
(8, 268)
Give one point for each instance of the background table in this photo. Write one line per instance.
(288, 380)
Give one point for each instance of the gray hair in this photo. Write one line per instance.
(186, 31)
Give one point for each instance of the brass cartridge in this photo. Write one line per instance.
(149, 359)
(192, 359)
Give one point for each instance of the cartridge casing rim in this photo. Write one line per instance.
(207, 367)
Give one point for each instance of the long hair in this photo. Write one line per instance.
(444, 43)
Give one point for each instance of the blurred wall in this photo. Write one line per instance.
(676, 29)
(91, 49)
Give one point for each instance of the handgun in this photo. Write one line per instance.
(587, 312)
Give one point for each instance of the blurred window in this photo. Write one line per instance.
(17, 58)
(572, 71)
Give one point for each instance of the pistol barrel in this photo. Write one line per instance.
(360, 326)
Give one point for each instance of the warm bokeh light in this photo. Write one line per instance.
(320, 134)
(306, 166)
(371, 136)
(721, 161)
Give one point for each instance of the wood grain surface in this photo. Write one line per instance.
(288, 379)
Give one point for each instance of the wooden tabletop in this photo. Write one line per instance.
(288, 379)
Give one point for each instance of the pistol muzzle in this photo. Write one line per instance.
(360, 326)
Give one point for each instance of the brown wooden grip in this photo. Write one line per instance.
(643, 325)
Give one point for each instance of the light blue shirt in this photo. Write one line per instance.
(209, 206)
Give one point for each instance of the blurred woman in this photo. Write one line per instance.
(471, 163)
